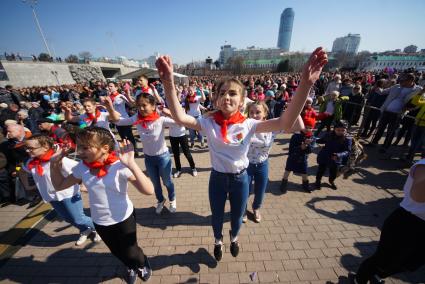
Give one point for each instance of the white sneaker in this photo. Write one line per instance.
(97, 238)
(159, 207)
(173, 206)
(132, 276)
(83, 237)
(194, 172)
(177, 174)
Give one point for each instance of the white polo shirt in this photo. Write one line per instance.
(108, 198)
(152, 136)
(44, 182)
(228, 157)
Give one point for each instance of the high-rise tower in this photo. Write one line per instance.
(285, 29)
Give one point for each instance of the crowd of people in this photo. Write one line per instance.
(57, 138)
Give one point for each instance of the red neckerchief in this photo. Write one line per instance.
(102, 166)
(224, 123)
(92, 118)
(192, 98)
(37, 162)
(144, 119)
(113, 96)
(146, 90)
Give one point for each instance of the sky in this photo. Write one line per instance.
(195, 29)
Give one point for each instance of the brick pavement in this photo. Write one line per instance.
(303, 238)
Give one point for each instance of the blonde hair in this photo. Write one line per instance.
(258, 103)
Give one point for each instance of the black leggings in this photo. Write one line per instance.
(401, 247)
(321, 171)
(175, 142)
(126, 132)
(121, 240)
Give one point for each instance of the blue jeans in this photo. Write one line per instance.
(220, 186)
(194, 133)
(259, 173)
(71, 210)
(160, 167)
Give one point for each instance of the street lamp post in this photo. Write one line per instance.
(32, 4)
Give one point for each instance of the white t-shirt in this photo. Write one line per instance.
(177, 131)
(119, 105)
(260, 146)
(231, 157)
(152, 136)
(194, 108)
(108, 197)
(44, 182)
(102, 120)
(408, 203)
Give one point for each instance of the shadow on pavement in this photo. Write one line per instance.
(369, 214)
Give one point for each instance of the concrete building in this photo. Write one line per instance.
(285, 29)
(398, 62)
(226, 51)
(251, 54)
(347, 44)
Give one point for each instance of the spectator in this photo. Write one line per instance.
(394, 104)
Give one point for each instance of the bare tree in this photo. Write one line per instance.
(85, 55)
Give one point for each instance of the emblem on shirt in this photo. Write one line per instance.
(239, 137)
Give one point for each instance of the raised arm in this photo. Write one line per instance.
(165, 70)
(68, 114)
(130, 100)
(311, 72)
(140, 181)
(113, 114)
(58, 180)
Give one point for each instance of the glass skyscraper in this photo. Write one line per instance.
(285, 29)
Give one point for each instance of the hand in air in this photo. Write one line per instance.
(106, 101)
(313, 67)
(126, 153)
(165, 67)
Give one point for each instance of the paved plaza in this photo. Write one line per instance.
(303, 238)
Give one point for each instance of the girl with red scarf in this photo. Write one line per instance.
(106, 178)
(151, 126)
(67, 202)
(228, 133)
(192, 105)
(93, 116)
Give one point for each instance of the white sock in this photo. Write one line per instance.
(233, 239)
(218, 242)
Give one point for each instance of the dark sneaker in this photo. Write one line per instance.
(218, 251)
(333, 186)
(283, 185)
(234, 248)
(306, 186)
(318, 185)
(146, 271)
